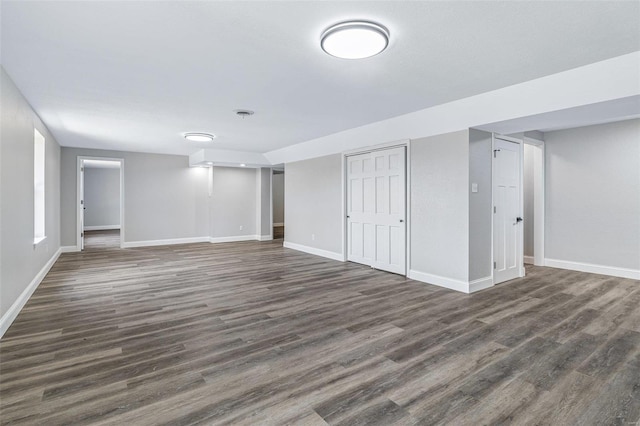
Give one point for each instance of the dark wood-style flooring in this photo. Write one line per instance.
(252, 333)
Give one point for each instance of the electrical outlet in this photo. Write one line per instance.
(313, 237)
(241, 227)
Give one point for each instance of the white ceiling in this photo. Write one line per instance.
(136, 75)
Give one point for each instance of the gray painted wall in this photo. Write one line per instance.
(101, 197)
(164, 198)
(265, 202)
(592, 184)
(528, 193)
(313, 203)
(20, 261)
(440, 205)
(233, 203)
(278, 198)
(480, 207)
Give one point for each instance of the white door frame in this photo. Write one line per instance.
(406, 143)
(538, 201)
(79, 206)
(494, 136)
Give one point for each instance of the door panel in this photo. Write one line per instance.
(507, 195)
(376, 192)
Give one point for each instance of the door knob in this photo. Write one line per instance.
(518, 219)
(401, 220)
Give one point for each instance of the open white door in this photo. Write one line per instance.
(507, 217)
(82, 207)
(376, 194)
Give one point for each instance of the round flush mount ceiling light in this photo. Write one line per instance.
(355, 39)
(199, 137)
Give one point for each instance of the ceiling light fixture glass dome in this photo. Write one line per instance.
(355, 39)
(199, 137)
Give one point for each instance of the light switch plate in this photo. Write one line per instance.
(474, 187)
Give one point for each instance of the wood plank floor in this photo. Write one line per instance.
(252, 333)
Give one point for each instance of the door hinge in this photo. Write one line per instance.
(82, 169)
(494, 209)
(82, 234)
(495, 265)
(81, 201)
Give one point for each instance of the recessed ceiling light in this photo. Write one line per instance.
(243, 165)
(199, 137)
(355, 39)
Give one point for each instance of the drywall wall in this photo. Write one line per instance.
(313, 203)
(264, 199)
(278, 198)
(101, 197)
(528, 195)
(20, 260)
(480, 204)
(233, 202)
(164, 198)
(592, 184)
(440, 206)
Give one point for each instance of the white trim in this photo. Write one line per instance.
(277, 224)
(633, 274)
(101, 227)
(232, 239)
(529, 260)
(79, 164)
(271, 203)
(69, 249)
(11, 314)
(37, 241)
(538, 199)
(445, 282)
(265, 237)
(480, 284)
(150, 243)
(377, 147)
(312, 250)
(258, 200)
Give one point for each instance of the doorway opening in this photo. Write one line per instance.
(533, 192)
(277, 193)
(100, 201)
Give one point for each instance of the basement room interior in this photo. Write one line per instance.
(319, 212)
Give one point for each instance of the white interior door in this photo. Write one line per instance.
(82, 207)
(376, 223)
(507, 217)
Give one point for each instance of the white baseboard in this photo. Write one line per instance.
(633, 274)
(316, 251)
(69, 249)
(101, 227)
(233, 239)
(265, 237)
(8, 318)
(279, 224)
(150, 243)
(529, 259)
(480, 284)
(449, 283)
